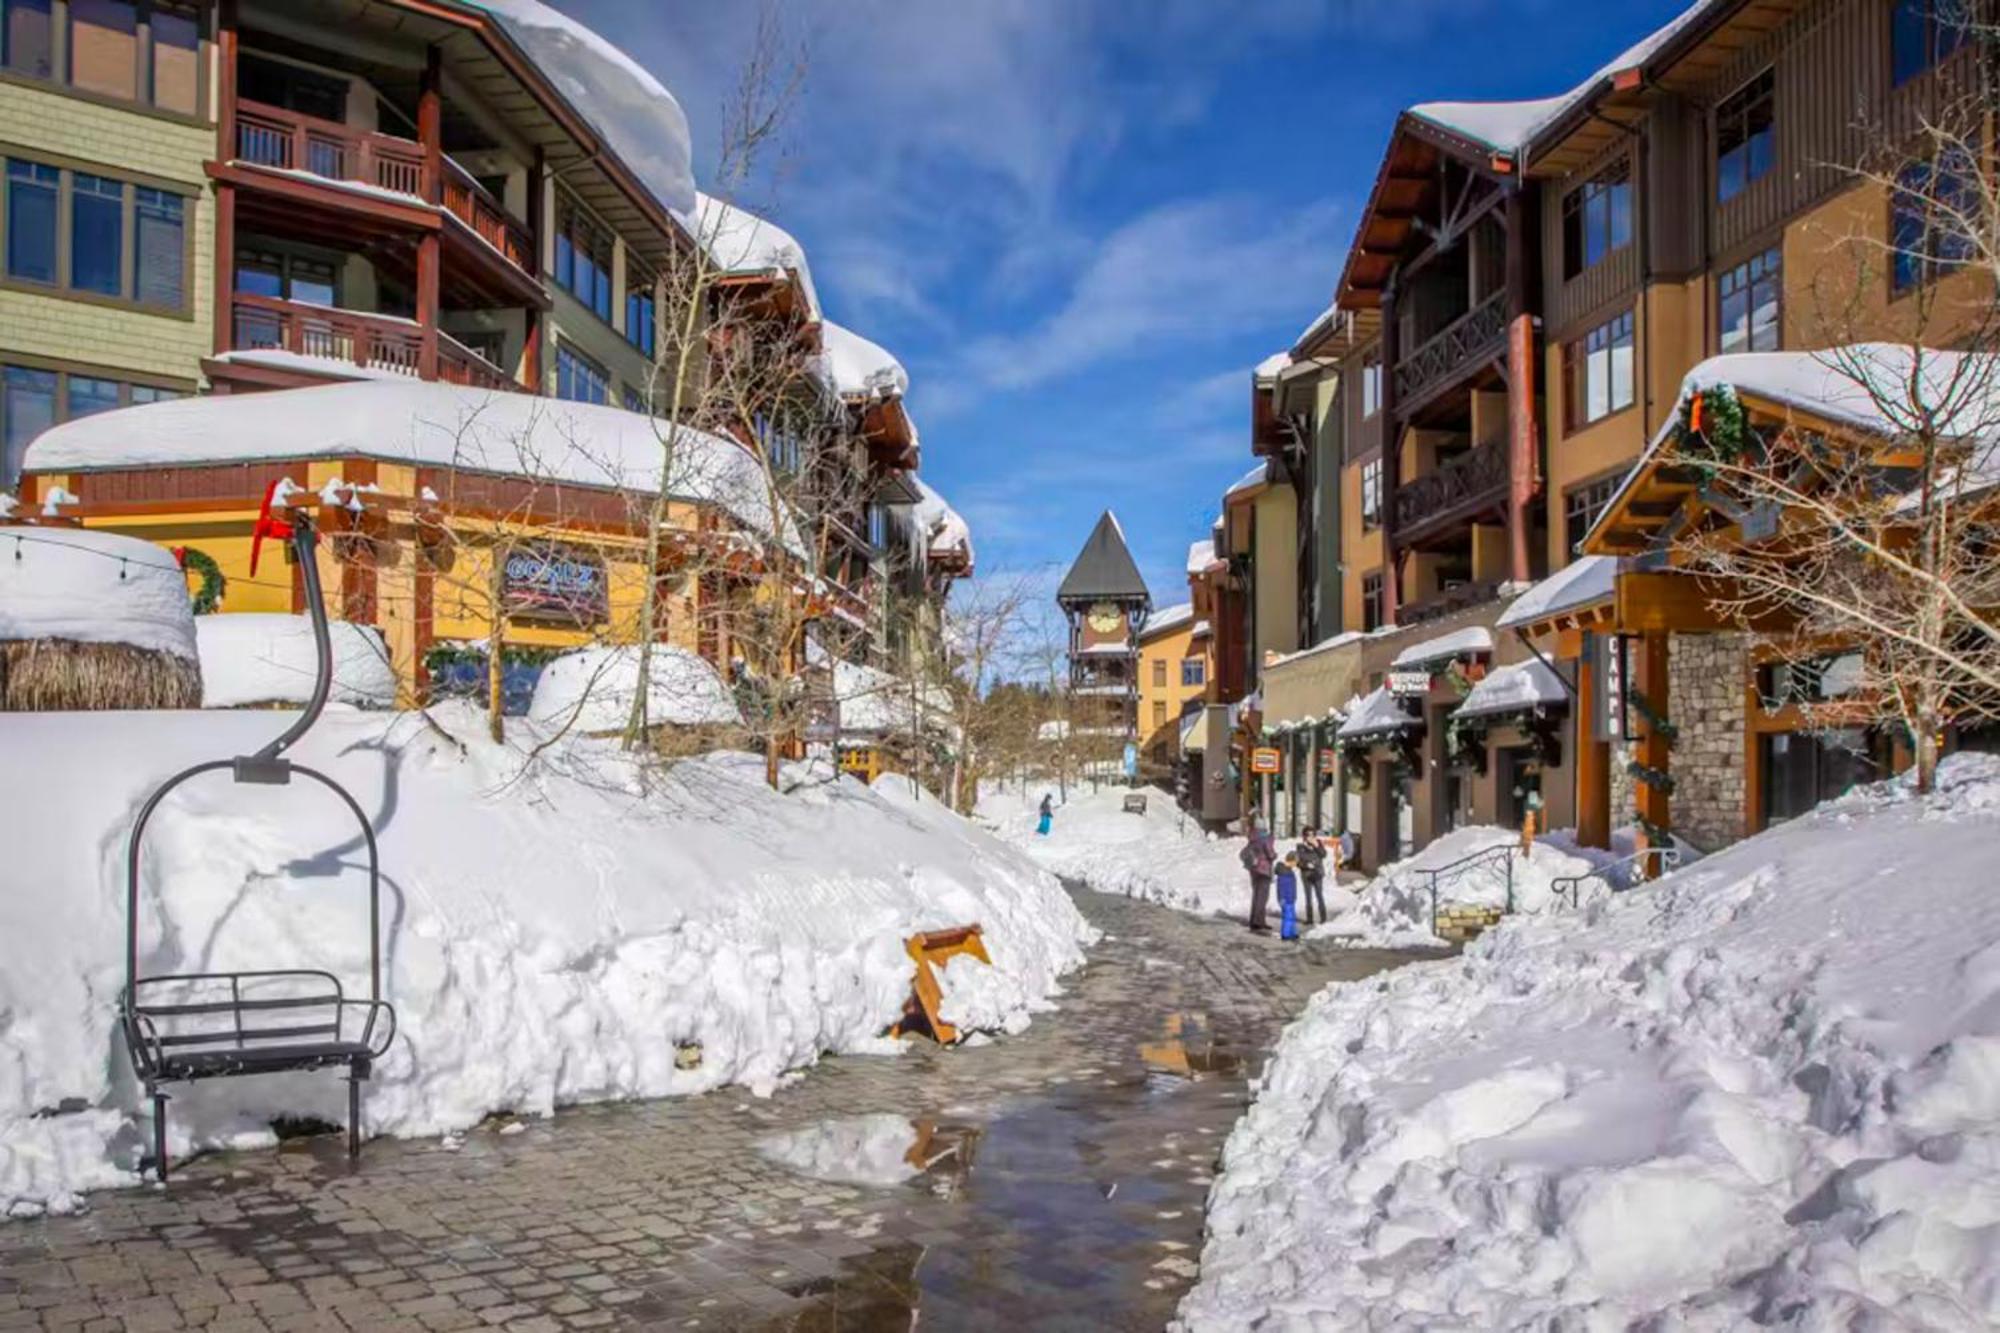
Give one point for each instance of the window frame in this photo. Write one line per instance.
(574, 222)
(1577, 354)
(1932, 29)
(145, 70)
(1588, 499)
(1371, 386)
(1194, 673)
(1910, 270)
(568, 352)
(63, 371)
(1759, 91)
(1374, 603)
(1371, 494)
(1772, 258)
(639, 282)
(63, 287)
(1612, 183)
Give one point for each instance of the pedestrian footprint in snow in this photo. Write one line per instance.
(1311, 857)
(1048, 815)
(1288, 897)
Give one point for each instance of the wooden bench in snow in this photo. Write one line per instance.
(1135, 805)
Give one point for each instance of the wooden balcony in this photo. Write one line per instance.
(1451, 601)
(377, 344)
(1473, 481)
(468, 201)
(1468, 342)
(269, 136)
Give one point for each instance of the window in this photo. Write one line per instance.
(1371, 386)
(1921, 34)
(1745, 139)
(778, 437)
(1597, 218)
(1371, 602)
(1582, 505)
(1598, 367)
(636, 402)
(104, 47)
(639, 308)
(1194, 672)
(27, 44)
(33, 399)
(31, 220)
(1925, 239)
(1748, 302)
(580, 380)
(1160, 674)
(286, 277)
(878, 526)
(1371, 495)
(1159, 712)
(96, 234)
(159, 247)
(176, 71)
(583, 260)
(276, 83)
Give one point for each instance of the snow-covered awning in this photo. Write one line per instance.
(1582, 583)
(1522, 688)
(1459, 643)
(1249, 481)
(1379, 713)
(1191, 732)
(428, 423)
(857, 369)
(742, 244)
(946, 534)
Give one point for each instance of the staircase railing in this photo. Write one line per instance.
(1499, 855)
(1568, 888)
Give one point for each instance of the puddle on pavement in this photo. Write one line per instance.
(1189, 1049)
(878, 1150)
(879, 1290)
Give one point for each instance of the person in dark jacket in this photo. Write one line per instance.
(1311, 855)
(1260, 858)
(1048, 815)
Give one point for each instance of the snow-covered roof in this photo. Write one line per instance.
(1248, 481)
(1271, 367)
(874, 701)
(93, 587)
(1458, 643)
(1510, 127)
(740, 242)
(854, 367)
(1201, 555)
(637, 116)
(333, 367)
(270, 658)
(1328, 644)
(591, 690)
(413, 421)
(1580, 583)
(944, 528)
(1319, 322)
(1167, 619)
(1201, 627)
(1514, 689)
(1378, 713)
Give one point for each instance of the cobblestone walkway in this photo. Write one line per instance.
(1063, 1179)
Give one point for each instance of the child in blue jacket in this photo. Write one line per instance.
(1288, 897)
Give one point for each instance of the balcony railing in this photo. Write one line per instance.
(378, 343)
(1458, 487)
(1471, 338)
(270, 136)
(466, 199)
(1452, 600)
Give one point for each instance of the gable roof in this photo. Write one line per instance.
(1104, 570)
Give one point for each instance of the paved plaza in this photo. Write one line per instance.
(1057, 1181)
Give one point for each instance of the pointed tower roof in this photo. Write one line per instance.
(1104, 570)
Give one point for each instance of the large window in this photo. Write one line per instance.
(284, 276)
(1926, 236)
(125, 242)
(1371, 495)
(1922, 33)
(1597, 218)
(1748, 304)
(1745, 136)
(639, 313)
(579, 379)
(1371, 602)
(1598, 367)
(635, 401)
(583, 260)
(27, 37)
(1194, 672)
(1371, 386)
(32, 399)
(104, 47)
(128, 50)
(1582, 505)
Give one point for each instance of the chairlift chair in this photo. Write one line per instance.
(183, 1027)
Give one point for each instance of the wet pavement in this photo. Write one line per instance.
(1047, 1181)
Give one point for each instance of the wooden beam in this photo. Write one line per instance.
(1650, 682)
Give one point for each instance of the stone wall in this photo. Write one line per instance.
(1705, 690)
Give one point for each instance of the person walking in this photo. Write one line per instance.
(1048, 815)
(1288, 898)
(1311, 855)
(1259, 857)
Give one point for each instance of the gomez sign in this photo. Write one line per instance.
(548, 582)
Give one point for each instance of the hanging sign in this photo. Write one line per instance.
(1607, 657)
(546, 581)
(1409, 684)
(1264, 759)
(1327, 760)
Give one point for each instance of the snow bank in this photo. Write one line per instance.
(591, 690)
(553, 936)
(1765, 1090)
(257, 658)
(93, 587)
(1394, 909)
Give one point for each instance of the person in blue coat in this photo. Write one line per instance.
(1048, 815)
(1288, 897)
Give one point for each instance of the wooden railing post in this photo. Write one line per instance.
(430, 125)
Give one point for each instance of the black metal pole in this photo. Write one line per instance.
(302, 547)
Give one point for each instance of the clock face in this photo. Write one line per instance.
(1104, 618)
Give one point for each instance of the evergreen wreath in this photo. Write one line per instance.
(1711, 425)
(208, 598)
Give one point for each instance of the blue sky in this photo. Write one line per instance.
(1079, 223)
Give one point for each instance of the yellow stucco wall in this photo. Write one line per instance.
(1277, 563)
(1361, 552)
(1166, 650)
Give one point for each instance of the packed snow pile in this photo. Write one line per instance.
(1394, 909)
(592, 690)
(93, 587)
(1156, 856)
(853, 1150)
(253, 658)
(1763, 1090)
(552, 935)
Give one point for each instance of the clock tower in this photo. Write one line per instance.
(1105, 602)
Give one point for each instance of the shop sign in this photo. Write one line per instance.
(1327, 760)
(1264, 759)
(546, 581)
(1609, 661)
(1409, 684)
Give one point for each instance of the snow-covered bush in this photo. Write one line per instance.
(591, 690)
(255, 658)
(93, 620)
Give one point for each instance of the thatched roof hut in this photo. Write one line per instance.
(93, 620)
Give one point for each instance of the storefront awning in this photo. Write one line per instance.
(1378, 715)
(1572, 593)
(1526, 687)
(1459, 643)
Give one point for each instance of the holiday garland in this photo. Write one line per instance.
(202, 565)
(1712, 427)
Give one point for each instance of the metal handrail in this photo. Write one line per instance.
(1566, 887)
(1503, 853)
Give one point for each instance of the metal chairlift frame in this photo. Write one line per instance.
(320, 1039)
